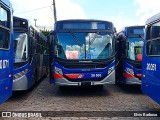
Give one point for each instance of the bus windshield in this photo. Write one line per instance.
(135, 48)
(20, 47)
(84, 45)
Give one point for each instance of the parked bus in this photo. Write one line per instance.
(6, 50)
(82, 52)
(30, 49)
(151, 59)
(129, 55)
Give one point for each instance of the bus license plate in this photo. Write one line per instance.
(85, 83)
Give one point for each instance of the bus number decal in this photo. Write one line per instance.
(96, 75)
(151, 67)
(4, 64)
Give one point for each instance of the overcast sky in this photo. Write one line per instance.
(120, 12)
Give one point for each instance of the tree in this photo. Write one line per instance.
(45, 32)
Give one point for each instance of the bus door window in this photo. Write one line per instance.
(4, 17)
(4, 32)
(153, 44)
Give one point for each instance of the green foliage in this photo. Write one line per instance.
(45, 32)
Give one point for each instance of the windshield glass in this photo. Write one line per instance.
(135, 49)
(84, 45)
(20, 47)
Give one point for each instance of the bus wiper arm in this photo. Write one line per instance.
(141, 37)
(91, 42)
(75, 38)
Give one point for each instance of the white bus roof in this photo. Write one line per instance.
(153, 19)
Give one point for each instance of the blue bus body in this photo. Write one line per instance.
(30, 47)
(129, 55)
(82, 52)
(151, 59)
(6, 50)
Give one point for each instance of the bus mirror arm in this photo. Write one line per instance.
(121, 38)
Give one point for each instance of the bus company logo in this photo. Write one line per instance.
(6, 114)
(4, 64)
(130, 71)
(58, 70)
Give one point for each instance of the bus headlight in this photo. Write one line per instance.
(110, 69)
(20, 74)
(58, 70)
(130, 71)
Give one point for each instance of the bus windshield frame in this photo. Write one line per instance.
(82, 44)
(134, 43)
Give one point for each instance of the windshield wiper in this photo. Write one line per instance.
(75, 38)
(91, 42)
(141, 37)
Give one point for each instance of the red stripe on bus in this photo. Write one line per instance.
(73, 76)
(139, 75)
(128, 75)
(58, 76)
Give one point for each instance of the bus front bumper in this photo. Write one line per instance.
(110, 79)
(134, 81)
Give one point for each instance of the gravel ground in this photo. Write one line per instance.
(110, 98)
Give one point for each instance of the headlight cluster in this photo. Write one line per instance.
(20, 74)
(110, 70)
(58, 70)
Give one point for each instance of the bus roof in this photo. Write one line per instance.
(153, 19)
(134, 26)
(83, 24)
(27, 20)
(31, 25)
(83, 20)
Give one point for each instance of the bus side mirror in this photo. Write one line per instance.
(127, 45)
(58, 50)
(120, 37)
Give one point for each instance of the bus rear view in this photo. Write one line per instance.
(151, 59)
(82, 53)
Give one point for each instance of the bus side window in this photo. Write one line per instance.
(32, 45)
(127, 48)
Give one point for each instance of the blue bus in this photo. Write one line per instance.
(82, 52)
(6, 50)
(129, 55)
(151, 59)
(30, 49)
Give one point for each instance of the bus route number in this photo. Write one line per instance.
(96, 75)
(151, 67)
